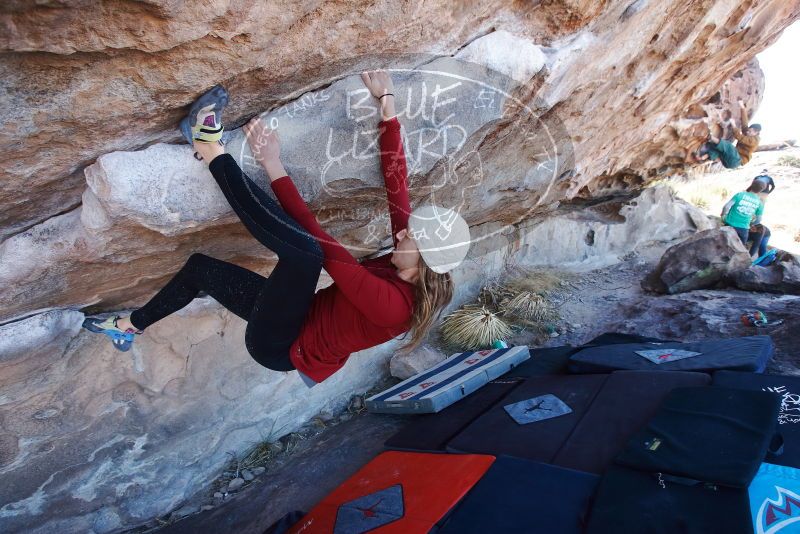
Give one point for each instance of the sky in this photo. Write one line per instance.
(779, 113)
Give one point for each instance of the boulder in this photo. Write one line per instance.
(699, 262)
(783, 276)
(421, 359)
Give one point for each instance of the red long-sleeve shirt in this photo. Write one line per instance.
(368, 303)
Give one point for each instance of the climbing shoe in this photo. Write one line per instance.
(204, 121)
(121, 339)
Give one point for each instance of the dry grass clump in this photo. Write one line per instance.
(789, 161)
(472, 327)
(525, 298)
(700, 202)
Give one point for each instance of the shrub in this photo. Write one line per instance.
(789, 161)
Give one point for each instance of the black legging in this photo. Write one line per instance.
(273, 307)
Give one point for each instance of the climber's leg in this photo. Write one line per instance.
(760, 240)
(727, 153)
(232, 286)
(280, 310)
(262, 215)
(743, 234)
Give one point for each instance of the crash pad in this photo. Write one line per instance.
(447, 382)
(496, 432)
(521, 496)
(787, 388)
(775, 500)
(396, 493)
(711, 434)
(634, 502)
(750, 353)
(616, 338)
(431, 432)
(549, 361)
(627, 401)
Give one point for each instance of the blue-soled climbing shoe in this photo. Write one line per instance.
(121, 339)
(204, 121)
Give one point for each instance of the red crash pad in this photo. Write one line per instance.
(396, 493)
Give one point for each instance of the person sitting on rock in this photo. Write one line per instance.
(289, 326)
(743, 209)
(759, 233)
(747, 139)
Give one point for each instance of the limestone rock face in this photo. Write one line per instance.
(120, 79)
(700, 262)
(94, 439)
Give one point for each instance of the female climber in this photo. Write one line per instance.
(289, 326)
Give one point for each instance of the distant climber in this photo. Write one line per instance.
(747, 138)
(743, 210)
(769, 183)
(289, 326)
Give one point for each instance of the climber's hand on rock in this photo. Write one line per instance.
(263, 140)
(741, 103)
(265, 146)
(378, 82)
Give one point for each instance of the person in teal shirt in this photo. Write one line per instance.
(744, 209)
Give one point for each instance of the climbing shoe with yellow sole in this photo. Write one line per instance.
(204, 120)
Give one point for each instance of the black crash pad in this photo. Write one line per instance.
(750, 353)
(788, 423)
(431, 432)
(711, 434)
(633, 502)
(625, 404)
(550, 361)
(496, 432)
(517, 495)
(616, 338)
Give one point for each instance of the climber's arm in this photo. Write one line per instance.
(758, 214)
(738, 133)
(745, 118)
(393, 158)
(395, 175)
(727, 207)
(377, 298)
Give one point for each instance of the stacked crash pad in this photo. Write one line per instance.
(787, 388)
(749, 353)
(688, 468)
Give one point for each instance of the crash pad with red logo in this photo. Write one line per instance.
(396, 493)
